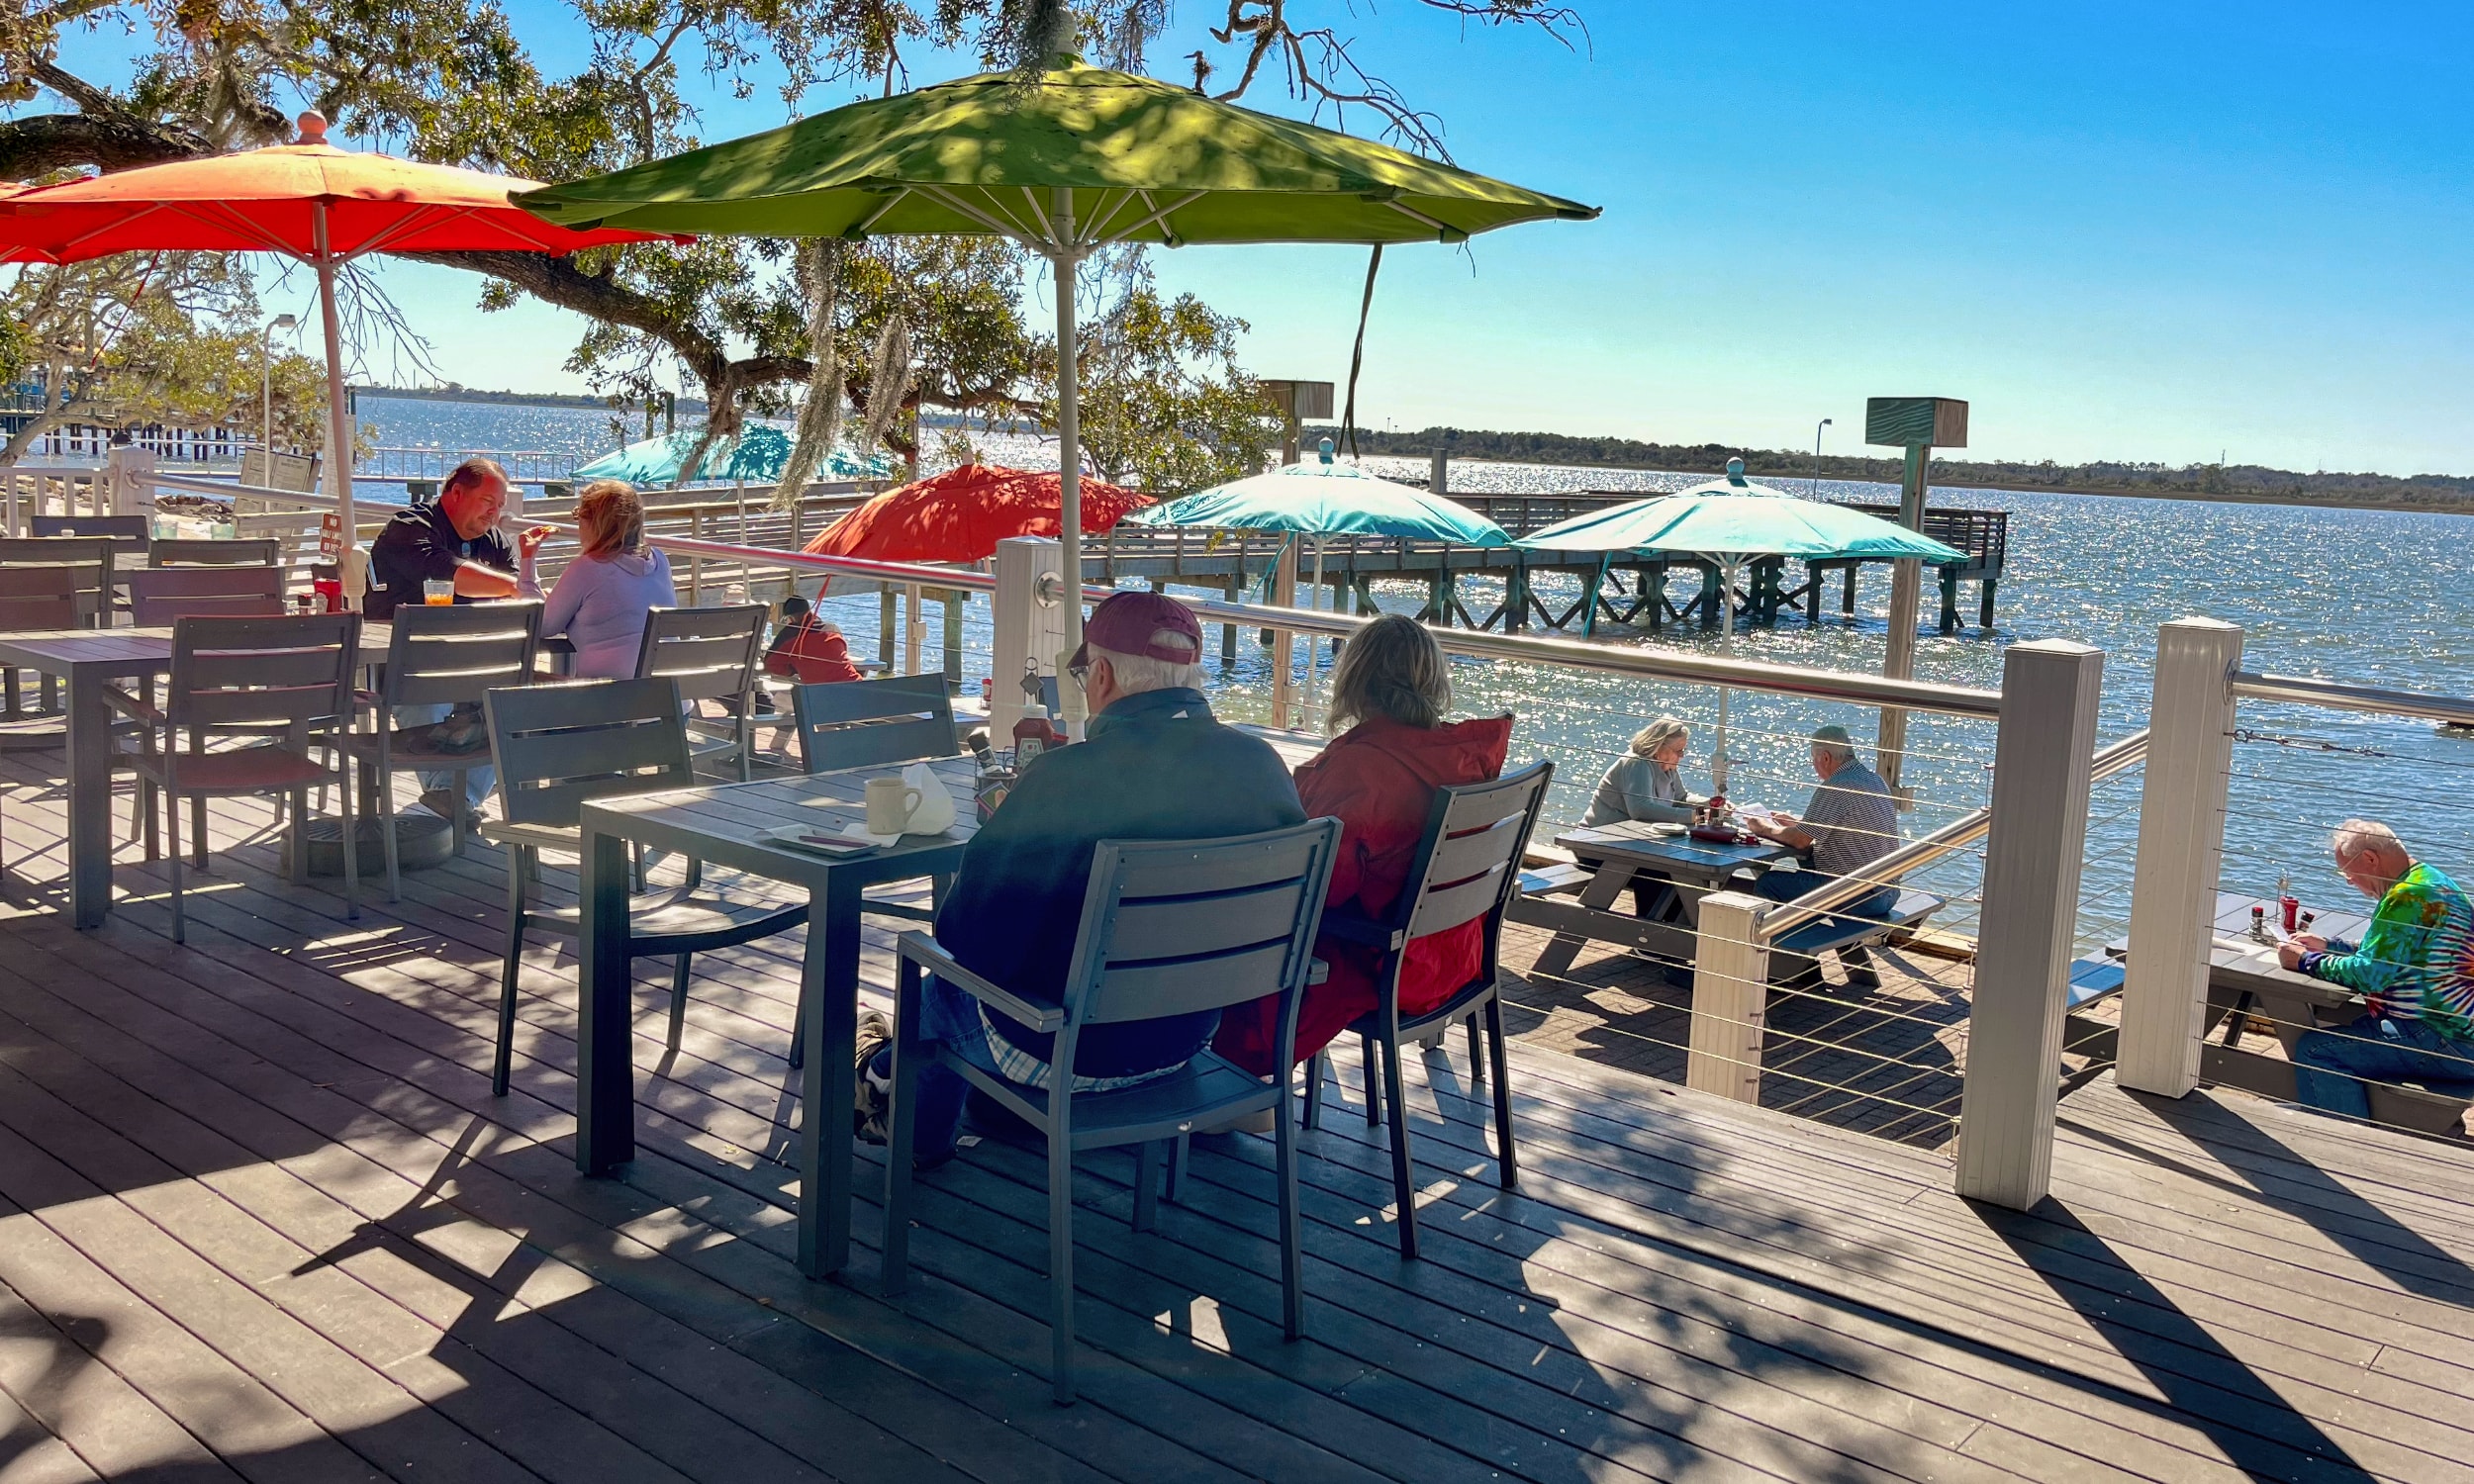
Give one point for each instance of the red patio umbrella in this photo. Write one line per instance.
(961, 515)
(308, 201)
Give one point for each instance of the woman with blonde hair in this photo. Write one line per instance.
(603, 598)
(1390, 690)
(1644, 783)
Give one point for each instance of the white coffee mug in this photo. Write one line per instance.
(890, 803)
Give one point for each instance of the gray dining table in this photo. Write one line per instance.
(1644, 856)
(726, 825)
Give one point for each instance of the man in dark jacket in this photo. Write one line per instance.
(1158, 766)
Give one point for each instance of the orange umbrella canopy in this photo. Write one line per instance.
(267, 200)
(961, 515)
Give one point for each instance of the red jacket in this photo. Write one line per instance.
(1380, 778)
(806, 651)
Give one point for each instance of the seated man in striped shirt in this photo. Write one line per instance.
(2415, 966)
(1851, 822)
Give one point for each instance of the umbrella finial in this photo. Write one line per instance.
(1735, 471)
(1324, 448)
(312, 125)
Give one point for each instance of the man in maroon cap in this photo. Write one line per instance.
(1157, 766)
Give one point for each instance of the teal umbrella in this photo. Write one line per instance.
(1728, 519)
(754, 456)
(1320, 501)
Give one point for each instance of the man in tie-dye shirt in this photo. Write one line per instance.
(2415, 966)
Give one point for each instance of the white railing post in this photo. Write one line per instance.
(2031, 859)
(128, 474)
(1030, 625)
(2181, 846)
(1730, 995)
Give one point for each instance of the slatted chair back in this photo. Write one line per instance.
(711, 653)
(160, 594)
(1467, 864)
(262, 672)
(255, 551)
(868, 723)
(92, 558)
(441, 656)
(559, 747)
(128, 534)
(1171, 927)
(33, 598)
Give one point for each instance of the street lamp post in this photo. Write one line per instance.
(266, 394)
(1816, 491)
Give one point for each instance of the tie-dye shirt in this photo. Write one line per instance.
(2417, 961)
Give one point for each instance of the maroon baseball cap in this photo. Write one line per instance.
(1126, 624)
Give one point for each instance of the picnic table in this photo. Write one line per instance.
(2243, 974)
(1674, 870)
(725, 824)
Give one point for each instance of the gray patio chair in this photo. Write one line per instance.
(1466, 868)
(93, 558)
(559, 747)
(35, 599)
(128, 534)
(159, 594)
(255, 551)
(441, 656)
(239, 680)
(1169, 928)
(713, 654)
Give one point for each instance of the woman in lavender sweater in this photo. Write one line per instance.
(601, 600)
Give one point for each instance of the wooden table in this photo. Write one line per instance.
(1619, 856)
(725, 825)
(2244, 974)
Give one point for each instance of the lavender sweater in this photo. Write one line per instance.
(600, 604)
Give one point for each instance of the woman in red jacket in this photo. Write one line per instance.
(1380, 778)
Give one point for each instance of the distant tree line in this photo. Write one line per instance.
(2234, 482)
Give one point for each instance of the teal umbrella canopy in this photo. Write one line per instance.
(1732, 518)
(1327, 498)
(755, 455)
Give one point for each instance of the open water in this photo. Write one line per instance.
(2366, 597)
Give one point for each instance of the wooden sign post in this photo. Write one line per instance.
(1918, 424)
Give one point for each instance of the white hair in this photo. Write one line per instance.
(1137, 673)
(2356, 838)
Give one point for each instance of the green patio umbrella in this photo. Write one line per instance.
(1320, 501)
(1066, 159)
(1726, 521)
(754, 456)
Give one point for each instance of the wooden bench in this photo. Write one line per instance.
(1794, 956)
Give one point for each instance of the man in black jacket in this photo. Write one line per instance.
(1157, 766)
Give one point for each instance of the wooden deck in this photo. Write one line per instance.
(260, 1218)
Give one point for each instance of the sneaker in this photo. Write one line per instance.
(872, 1093)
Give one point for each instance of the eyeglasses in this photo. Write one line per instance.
(1081, 674)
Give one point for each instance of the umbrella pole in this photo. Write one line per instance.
(353, 580)
(1718, 759)
(1069, 455)
(1314, 600)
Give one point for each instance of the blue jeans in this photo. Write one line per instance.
(2327, 1065)
(477, 783)
(1786, 884)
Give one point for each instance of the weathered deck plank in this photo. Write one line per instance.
(267, 1222)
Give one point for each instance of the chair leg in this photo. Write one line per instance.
(1508, 1164)
(1179, 1150)
(1476, 1062)
(678, 998)
(1292, 1258)
(197, 829)
(296, 836)
(503, 1058)
(1061, 1262)
(1318, 1072)
(1403, 1191)
(385, 792)
(1147, 1185)
(171, 819)
(1373, 1085)
(351, 840)
(901, 1134)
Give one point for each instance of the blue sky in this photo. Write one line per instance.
(2118, 231)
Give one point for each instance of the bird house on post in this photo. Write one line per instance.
(1298, 401)
(1918, 424)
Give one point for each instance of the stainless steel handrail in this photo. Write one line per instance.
(2309, 691)
(1771, 922)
